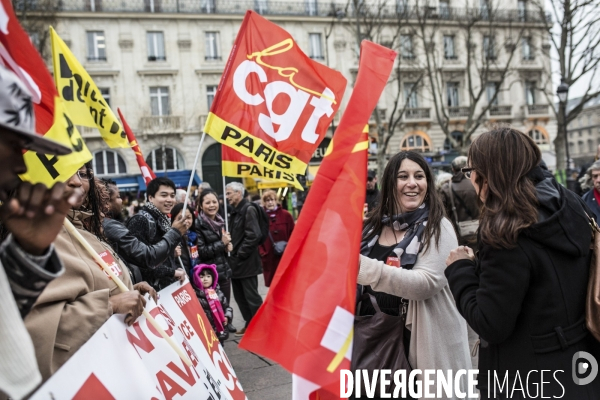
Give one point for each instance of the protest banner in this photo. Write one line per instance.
(121, 362)
(82, 98)
(237, 165)
(52, 119)
(273, 104)
(313, 338)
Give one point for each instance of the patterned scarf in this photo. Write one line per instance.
(408, 248)
(216, 224)
(161, 219)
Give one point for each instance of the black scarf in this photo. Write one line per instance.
(161, 219)
(408, 248)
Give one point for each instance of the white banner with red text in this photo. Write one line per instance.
(121, 362)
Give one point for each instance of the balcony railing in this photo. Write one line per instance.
(161, 124)
(416, 113)
(500, 111)
(291, 8)
(457, 112)
(537, 109)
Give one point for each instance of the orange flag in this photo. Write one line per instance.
(306, 321)
(273, 103)
(147, 172)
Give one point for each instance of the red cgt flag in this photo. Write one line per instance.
(273, 103)
(147, 172)
(306, 321)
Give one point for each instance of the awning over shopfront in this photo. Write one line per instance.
(136, 182)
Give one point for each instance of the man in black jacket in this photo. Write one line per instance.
(131, 249)
(151, 225)
(372, 198)
(245, 258)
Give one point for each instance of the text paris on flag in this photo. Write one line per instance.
(273, 104)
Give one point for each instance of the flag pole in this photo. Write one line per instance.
(225, 205)
(185, 202)
(74, 232)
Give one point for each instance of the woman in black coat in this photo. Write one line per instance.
(524, 293)
(212, 241)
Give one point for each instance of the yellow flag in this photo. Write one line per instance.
(48, 170)
(82, 98)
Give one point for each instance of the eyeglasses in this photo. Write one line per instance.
(85, 175)
(467, 172)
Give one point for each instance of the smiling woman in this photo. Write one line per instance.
(405, 243)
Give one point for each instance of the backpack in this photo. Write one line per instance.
(263, 222)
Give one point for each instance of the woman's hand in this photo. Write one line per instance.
(460, 253)
(131, 303)
(178, 251)
(229, 247)
(144, 287)
(226, 238)
(180, 274)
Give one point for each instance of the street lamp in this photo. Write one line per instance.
(563, 92)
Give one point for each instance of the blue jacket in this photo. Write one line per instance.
(590, 201)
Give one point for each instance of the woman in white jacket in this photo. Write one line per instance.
(405, 244)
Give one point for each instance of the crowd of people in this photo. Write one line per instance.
(53, 294)
(490, 269)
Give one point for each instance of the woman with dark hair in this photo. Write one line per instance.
(213, 241)
(189, 246)
(281, 225)
(405, 243)
(525, 291)
(74, 305)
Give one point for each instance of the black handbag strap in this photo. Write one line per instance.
(462, 203)
(403, 305)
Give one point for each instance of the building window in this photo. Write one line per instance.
(491, 88)
(538, 137)
(261, 6)
(484, 9)
(527, 49)
(530, 92)
(489, 51)
(165, 159)
(311, 7)
(208, 6)
(159, 100)
(522, 10)
(212, 46)
(93, 5)
(96, 46)
(449, 53)
(416, 143)
(444, 9)
(591, 147)
(406, 47)
(401, 6)
(211, 91)
(108, 162)
(410, 95)
(156, 46)
(457, 136)
(452, 94)
(152, 6)
(316, 49)
(106, 95)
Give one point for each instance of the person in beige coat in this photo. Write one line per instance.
(77, 303)
(405, 243)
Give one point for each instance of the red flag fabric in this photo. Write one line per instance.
(147, 172)
(51, 120)
(273, 103)
(306, 321)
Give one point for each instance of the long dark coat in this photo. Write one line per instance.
(281, 225)
(212, 250)
(245, 237)
(527, 303)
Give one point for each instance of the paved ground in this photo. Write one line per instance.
(262, 379)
